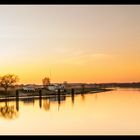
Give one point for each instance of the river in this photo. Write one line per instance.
(115, 112)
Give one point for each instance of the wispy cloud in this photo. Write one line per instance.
(80, 58)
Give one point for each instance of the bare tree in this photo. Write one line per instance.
(8, 80)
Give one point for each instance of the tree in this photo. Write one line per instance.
(46, 81)
(8, 80)
(65, 84)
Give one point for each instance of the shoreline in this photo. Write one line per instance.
(50, 95)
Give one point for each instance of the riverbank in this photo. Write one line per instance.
(11, 95)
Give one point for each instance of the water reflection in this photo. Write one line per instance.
(28, 100)
(40, 98)
(113, 112)
(83, 96)
(8, 111)
(72, 98)
(17, 104)
(40, 102)
(96, 96)
(46, 105)
(57, 98)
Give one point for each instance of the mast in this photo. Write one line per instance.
(50, 74)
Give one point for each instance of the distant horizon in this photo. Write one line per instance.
(80, 83)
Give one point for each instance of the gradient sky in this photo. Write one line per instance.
(77, 43)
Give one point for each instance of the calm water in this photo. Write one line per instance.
(113, 112)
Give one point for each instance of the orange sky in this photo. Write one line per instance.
(77, 43)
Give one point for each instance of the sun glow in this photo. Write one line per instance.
(78, 43)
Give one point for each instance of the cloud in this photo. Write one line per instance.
(81, 59)
(98, 55)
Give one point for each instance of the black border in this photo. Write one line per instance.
(70, 2)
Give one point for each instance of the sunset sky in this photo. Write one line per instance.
(75, 43)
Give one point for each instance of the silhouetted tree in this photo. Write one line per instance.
(8, 80)
(46, 81)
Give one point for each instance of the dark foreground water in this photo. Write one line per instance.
(112, 112)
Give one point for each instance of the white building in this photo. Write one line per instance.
(28, 88)
(55, 87)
